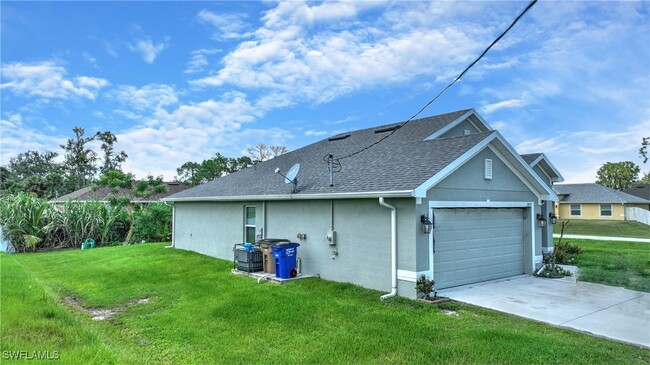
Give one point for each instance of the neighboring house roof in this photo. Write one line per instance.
(640, 190)
(102, 194)
(545, 164)
(595, 193)
(405, 164)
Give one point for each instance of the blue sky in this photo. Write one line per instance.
(181, 81)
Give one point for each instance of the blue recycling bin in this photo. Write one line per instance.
(285, 259)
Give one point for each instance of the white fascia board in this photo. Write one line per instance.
(555, 171)
(472, 112)
(449, 126)
(480, 119)
(546, 193)
(360, 195)
(478, 204)
(421, 191)
(540, 189)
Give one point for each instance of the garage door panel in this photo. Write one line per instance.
(475, 245)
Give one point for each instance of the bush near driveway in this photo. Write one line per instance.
(200, 313)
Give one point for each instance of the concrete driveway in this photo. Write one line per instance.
(616, 313)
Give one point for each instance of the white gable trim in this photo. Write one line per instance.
(543, 192)
(462, 118)
(541, 157)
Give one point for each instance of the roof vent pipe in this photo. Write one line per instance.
(393, 249)
(330, 163)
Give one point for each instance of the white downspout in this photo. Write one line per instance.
(393, 249)
(173, 245)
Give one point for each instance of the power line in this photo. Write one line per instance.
(528, 7)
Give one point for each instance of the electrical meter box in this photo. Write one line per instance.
(331, 237)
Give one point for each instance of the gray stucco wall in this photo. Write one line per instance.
(362, 235)
(467, 183)
(459, 130)
(547, 232)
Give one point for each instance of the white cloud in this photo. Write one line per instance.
(520, 102)
(315, 133)
(194, 132)
(150, 96)
(228, 25)
(18, 138)
(291, 64)
(148, 49)
(48, 80)
(199, 61)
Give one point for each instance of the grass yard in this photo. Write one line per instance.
(604, 228)
(615, 263)
(198, 312)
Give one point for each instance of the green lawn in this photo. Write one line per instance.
(604, 228)
(201, 313)
(615, 263)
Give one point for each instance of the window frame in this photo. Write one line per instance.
(248, 225)
(579, 210)
(611, 210)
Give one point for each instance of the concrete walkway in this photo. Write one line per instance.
(602, 238)
(615, 313)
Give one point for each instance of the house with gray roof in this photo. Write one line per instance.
(641, 191)
(362, 215)
(594, 201)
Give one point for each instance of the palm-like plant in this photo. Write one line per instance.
(26, 220)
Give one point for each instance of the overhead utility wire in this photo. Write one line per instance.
(530, 5)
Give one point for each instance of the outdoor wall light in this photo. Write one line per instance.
(552, 217)
(426, 224)
(541, 221)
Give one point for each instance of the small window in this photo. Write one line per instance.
(605, 210)
(467, 132)
(488, 169)
(576, 210)
(249, 224)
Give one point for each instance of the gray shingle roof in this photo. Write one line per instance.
(639, 190)
(401, 162)
(594, 193)
(102, 194)
(529, 158)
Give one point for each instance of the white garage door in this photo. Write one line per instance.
(473, 245)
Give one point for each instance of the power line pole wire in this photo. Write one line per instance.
(526, 9)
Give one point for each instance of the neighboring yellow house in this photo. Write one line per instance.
(593, 201)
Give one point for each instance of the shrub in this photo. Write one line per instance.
(152, 223)
(566, 253)
(26, 221)
(424, 286)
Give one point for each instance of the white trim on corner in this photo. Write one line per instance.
(406, 275)
(411, 276)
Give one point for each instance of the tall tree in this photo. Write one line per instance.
(188, 173)
(79, 159)
(618, 175)
(194, 173)
(110, 160)
(262, 152)
(35, 172)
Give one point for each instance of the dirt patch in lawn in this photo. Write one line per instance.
(100, 313)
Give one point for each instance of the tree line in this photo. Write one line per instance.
(48, 176)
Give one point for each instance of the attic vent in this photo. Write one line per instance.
(467, 132)
(338, 138)
(388, 129)
(488, 169)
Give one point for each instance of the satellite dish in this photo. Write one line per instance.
(292, 174)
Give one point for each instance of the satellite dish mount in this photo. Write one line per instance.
(291, 176)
